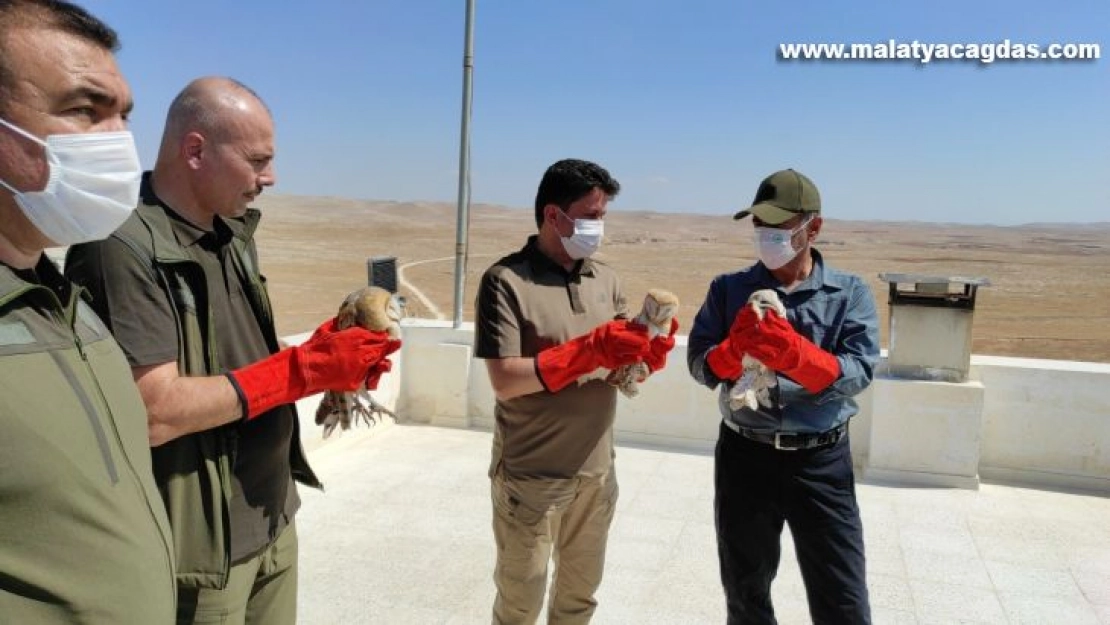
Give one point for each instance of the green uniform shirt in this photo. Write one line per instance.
(85, 538)
(133, 303)
(527, 303)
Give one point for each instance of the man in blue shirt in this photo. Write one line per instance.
(788, 459)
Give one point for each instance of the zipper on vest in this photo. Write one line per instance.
(127, 461)
(87, 404)
(68, 316)
(119, 441)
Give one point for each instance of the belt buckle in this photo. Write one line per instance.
(779, 445)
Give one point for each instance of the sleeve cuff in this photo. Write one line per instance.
(539, 376)
(239, 393)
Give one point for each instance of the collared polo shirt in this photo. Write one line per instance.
(527, 303)
(140, 315)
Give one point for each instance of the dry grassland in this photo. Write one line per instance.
(1049, 295)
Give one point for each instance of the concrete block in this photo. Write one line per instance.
(435, 384)
(925, 433)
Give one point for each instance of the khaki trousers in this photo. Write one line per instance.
(535, 520)
(260, 591)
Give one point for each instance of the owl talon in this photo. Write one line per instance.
(371, 412)
(377, 310)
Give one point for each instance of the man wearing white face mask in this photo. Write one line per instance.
(85, 536)
(94, 178)
(789, 462)
(549, 317)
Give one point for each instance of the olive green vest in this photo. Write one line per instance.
(194, 472)
(84, 537)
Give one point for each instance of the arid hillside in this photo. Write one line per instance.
(1049, 295)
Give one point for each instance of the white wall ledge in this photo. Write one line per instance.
(1043, 422)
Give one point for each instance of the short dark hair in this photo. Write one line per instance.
(568, 181)
(48, 14)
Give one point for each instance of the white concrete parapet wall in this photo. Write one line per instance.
(925, 432)
(1043, 422)
(670, 411)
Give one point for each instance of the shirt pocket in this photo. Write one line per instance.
(813, 324)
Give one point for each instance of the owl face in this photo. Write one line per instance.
(373, 308)
(766, 299)
(659, 308)
(659, 311)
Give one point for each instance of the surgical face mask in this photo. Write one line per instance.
(92, 188)
(776, 246)
(586, 238)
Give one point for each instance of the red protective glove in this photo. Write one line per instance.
(610, 345)
(330, 360)
(378, 369)
(326, 328)
(775, 343)
(656, 358)
(726, 360)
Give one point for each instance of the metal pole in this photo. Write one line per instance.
(462, 235)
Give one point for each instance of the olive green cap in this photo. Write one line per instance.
(782, 196)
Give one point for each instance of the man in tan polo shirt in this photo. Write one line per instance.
(550, 321)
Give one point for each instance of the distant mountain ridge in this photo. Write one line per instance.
(282, 199)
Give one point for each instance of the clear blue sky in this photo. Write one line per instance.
(685, 102)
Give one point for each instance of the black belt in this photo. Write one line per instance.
(790, 441)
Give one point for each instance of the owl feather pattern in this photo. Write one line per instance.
(659, 308)
(377, 310)
(753, 389)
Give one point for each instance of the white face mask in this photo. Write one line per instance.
(586, 238)
(776, 246)
(92, 188)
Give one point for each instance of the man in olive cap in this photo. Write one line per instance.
(788, 459)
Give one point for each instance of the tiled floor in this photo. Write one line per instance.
(402, 535)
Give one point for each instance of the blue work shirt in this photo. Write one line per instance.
(833, 309)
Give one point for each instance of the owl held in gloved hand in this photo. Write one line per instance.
(377, 310)
(658, 311)
(752, 390)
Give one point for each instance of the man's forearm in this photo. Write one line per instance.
(513, 377)
(179, 405)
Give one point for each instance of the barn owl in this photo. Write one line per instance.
(377, 310)
(659, 308)
(753, 389)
